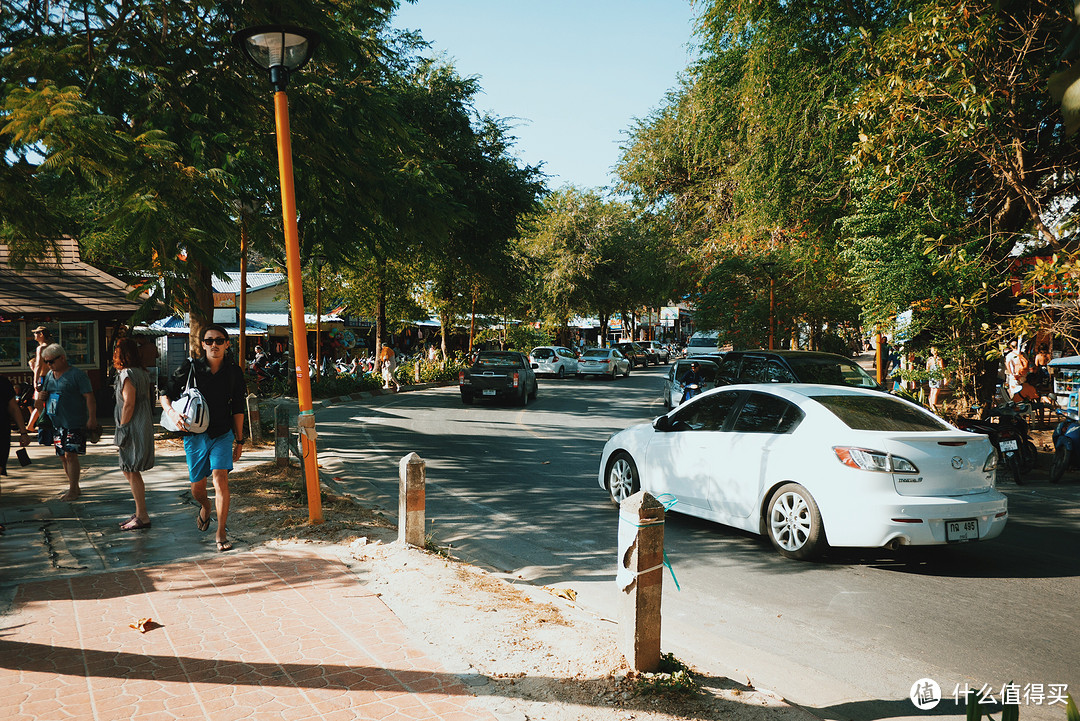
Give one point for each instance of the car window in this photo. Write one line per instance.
(776, 373)
(599, 353)
(615, 352)
(499, 359)
(764, 413)
(831, 371)
(565, 353)
(754, 370)
(707, 414)
(880, 413)
(730, 367)
(542, 353)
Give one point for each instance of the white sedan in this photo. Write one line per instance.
(813, 466)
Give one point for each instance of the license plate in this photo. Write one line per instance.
(1010, 445)
(489, 391)
(964, 529)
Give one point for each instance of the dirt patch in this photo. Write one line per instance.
(528, 652)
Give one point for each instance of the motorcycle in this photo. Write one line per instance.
(1010, 436)
(689, 391)
(1066, 441)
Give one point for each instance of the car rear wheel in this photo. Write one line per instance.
(626, 373)
(523, 399)
(467, 399)
(622, 477)
(562, 373)
(612, 374)
(535, 391)
(794, 523)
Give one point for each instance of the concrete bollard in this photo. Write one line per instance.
(254, 422)
(412, 472)
(281, 435)
(640, 576)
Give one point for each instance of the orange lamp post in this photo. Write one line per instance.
(284, 49)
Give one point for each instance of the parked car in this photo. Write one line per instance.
(506, 375)
(673, 387)
(658, 352)
(793, 366)
(603, 362)
(555, 360)
(812, 466)
(634, 353)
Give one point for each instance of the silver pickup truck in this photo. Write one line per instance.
(506, 375)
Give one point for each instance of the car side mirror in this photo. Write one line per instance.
(535, 365)
(662, 424)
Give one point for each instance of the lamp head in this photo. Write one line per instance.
(281, 49)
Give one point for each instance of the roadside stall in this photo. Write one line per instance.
(1066, 375)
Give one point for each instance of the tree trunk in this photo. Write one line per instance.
(444, 321)
(201, 308)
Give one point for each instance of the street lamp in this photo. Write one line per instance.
(284, 49)
(320, 261)
(770, 270)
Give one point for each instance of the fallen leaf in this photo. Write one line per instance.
(568, 593)
(144, 624)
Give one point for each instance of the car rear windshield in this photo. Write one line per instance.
(543, 353)
(880, 413)
(595, 353)
(498, 359)
(830, 371)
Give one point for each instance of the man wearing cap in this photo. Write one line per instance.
(68, 398)
(690, 378)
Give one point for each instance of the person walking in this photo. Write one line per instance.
(211, 454)
(68, 399)
(38, 370)
(388, 363)
(134, 426)
(9, 413)
(934, 367)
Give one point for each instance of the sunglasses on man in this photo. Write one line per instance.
(215, 341)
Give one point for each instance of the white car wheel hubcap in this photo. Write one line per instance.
(790, 521)
(621, 480)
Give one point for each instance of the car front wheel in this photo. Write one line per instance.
(622, 477)
(794, 524)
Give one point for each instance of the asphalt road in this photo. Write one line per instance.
(515, 489)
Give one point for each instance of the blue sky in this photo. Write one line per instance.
(571, 74)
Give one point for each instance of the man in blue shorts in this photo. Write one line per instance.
(211, 454)
(68, 398)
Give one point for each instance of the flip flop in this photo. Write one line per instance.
(134, 524)
(126, 521)
(225, 545)
(200, 523)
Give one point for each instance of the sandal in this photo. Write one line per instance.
(126, 521)
(200, 523)
(225, 545)
(134, 524)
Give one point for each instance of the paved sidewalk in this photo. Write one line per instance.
(264, 633)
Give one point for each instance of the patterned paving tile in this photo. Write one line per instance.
(261, 634)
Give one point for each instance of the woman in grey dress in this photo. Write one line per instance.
(134, 426)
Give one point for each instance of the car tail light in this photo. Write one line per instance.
(867, 460)
(517, 379)
(461, 379)
(991, 462)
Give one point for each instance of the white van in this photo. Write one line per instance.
(706, 342)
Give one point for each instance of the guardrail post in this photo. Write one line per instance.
(281, 435)
(254, 422)
(640, 579)
(412, 474)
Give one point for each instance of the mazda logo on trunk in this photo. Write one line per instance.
(957, 462)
